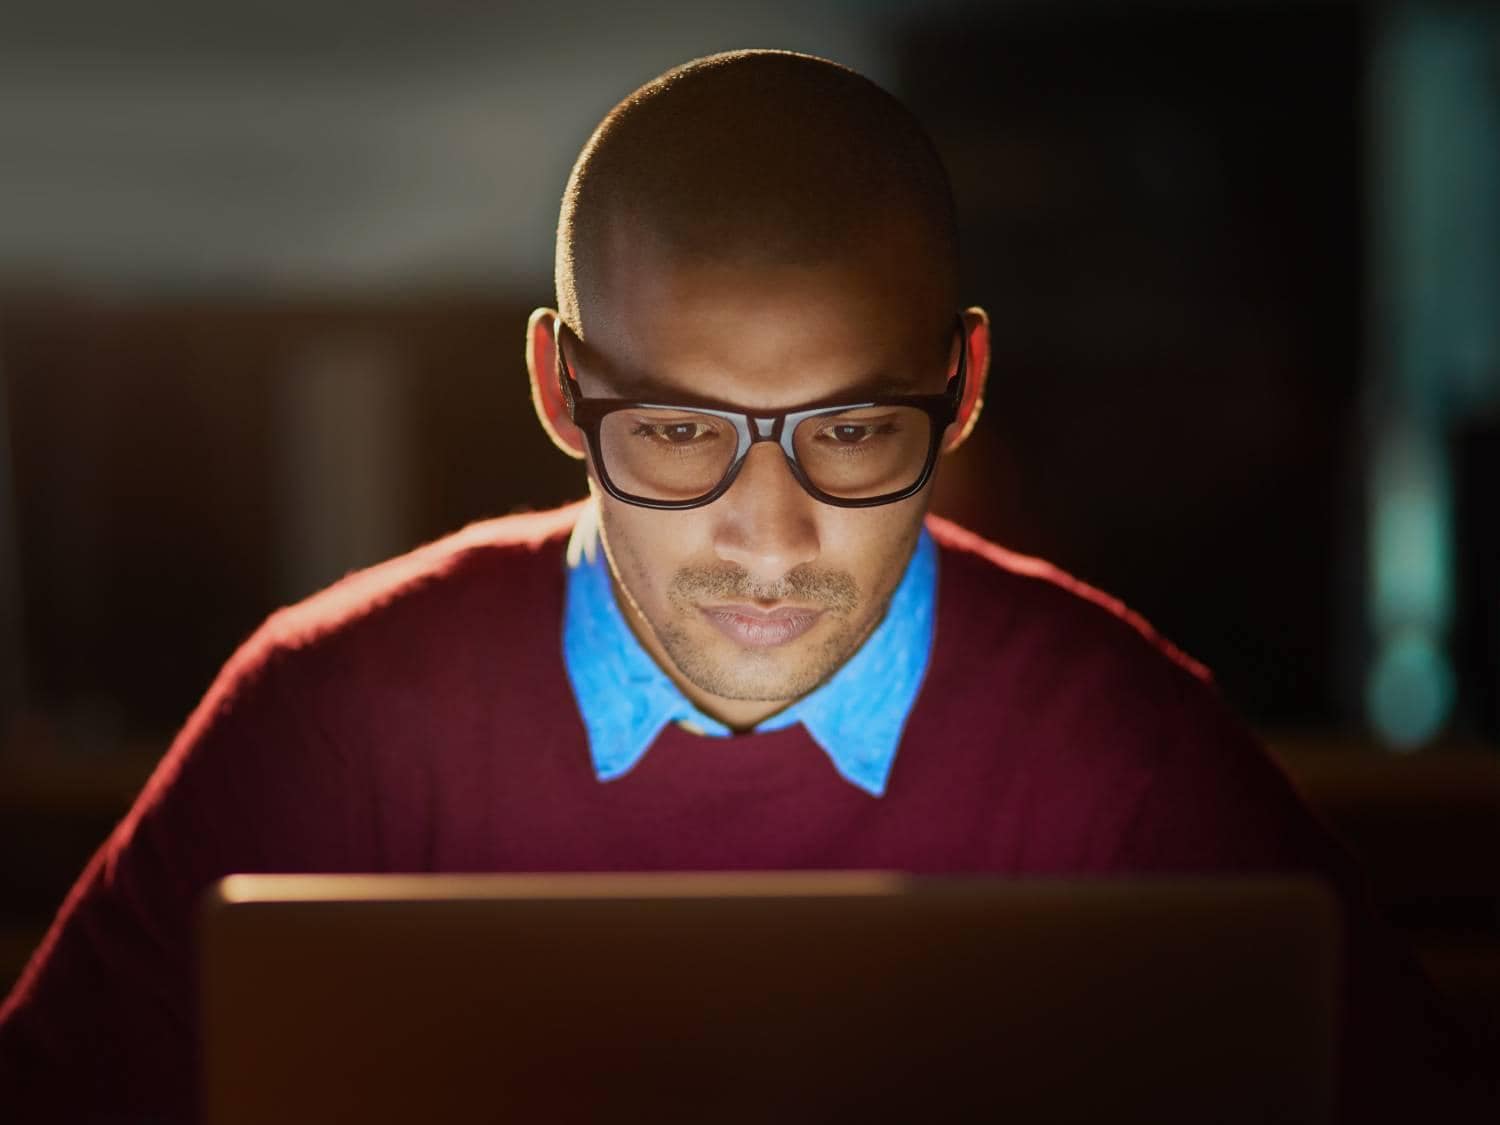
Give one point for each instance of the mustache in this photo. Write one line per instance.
(832, 589)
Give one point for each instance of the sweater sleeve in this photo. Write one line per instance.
(101, 1026)
(1217, 802)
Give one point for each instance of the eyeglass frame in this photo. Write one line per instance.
(751, 428)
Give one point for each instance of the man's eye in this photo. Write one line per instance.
(676, 433)
(856, 433)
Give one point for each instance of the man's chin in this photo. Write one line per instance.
(760, 674)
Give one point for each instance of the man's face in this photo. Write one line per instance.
(753, 600)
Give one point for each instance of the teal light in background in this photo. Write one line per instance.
(1434, 343)
(1409, 693)
(1409, 681)
(1411, 530)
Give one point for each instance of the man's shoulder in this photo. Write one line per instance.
(1105, 702)
(1002, 599)
(508, 563)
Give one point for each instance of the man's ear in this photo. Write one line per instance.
(546, 393)
(977, 332)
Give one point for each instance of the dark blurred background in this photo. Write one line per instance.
(265, 269)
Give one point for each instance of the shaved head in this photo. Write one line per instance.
(757, 158)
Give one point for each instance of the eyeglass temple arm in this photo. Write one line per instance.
(566, 384)
(961, 376)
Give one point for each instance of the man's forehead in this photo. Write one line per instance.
(712, 327)
(759, 370)
(788, 388)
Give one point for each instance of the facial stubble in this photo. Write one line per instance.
(763, 675)
(754, 674)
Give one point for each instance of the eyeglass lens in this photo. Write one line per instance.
(678, 455)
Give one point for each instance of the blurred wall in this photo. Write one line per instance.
(1163, 207)
(329, 144)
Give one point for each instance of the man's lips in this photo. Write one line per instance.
(754, 627)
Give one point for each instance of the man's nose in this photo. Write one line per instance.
(766, 522)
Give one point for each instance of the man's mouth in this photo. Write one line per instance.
(754, 627)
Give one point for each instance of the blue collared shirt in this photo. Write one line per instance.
(856, 715)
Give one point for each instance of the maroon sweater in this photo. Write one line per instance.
(417, 717)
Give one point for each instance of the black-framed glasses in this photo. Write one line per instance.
(682, 455)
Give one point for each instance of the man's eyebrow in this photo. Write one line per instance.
(887, 385)
(641, 388)
(636, 388)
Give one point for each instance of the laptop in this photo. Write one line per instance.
(785, 997)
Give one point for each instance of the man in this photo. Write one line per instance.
(749, 649)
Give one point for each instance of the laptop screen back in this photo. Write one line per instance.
(785, 997)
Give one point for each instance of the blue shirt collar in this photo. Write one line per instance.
(856, 716)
